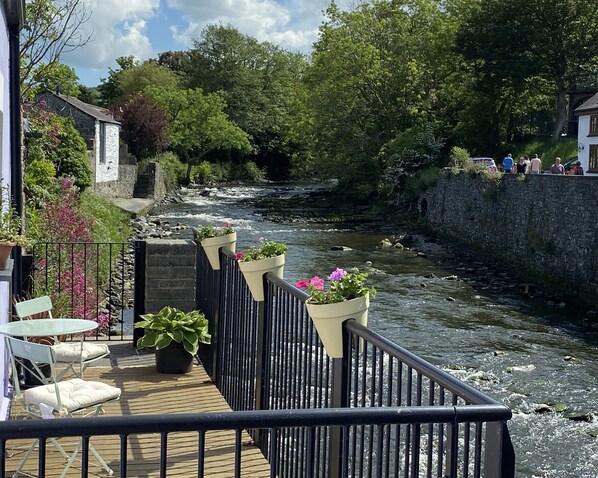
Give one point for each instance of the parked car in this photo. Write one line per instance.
(487, 161)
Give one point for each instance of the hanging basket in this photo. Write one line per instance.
(328, 320)
(5, 250)
(254, 271)
(212, 245)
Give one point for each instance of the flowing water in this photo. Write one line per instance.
(539, 358)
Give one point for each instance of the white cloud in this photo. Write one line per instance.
(119, 29)
(292, 25)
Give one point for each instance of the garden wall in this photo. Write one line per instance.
(544, 226)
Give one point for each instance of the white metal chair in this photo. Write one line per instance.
(70, 353)
(74, 398)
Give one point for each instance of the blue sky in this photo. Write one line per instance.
(145, 28)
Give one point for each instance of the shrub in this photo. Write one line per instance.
(174, 171)
(144, 127)
(419, 182)
(202, 172)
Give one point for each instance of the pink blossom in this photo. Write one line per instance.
(302, 284)
(239, 256)
(43, 103)
(317, 283)
(338, 274)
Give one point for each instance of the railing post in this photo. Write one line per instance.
(339, 399)
(139, 290)
(218, 299)
(499, 458)
(260, 382)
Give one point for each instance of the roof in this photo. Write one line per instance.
(589, 106)
(97, 112)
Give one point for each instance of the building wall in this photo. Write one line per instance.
(84, 123)
(5, 292)
(584, 141)
(544, 225)
(121, 188)
(107, 171)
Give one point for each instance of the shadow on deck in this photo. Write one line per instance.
(144, 391)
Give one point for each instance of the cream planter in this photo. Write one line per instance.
(212, 245)
(328, 320)
(254, 271)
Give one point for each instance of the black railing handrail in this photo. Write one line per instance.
(82, 242)
(265, 419)
(442, 378)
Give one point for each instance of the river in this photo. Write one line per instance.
(536, 356)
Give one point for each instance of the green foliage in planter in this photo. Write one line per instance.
(171, 324)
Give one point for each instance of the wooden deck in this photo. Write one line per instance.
(144, 391)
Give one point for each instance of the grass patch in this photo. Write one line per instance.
(564, 149)
(110, 223)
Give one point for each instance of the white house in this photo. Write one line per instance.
(12, 16)
(98, 127)
(587, 135)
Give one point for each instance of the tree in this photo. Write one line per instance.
(258, 81)
(55, 77)
(377, 71)
(51, 28)
(197, 124)
(143, 126)
(109, 89)
(538, 47)
(137, 78)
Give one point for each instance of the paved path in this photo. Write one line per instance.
(136, 206)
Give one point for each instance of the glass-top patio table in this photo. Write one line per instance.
(47, 327)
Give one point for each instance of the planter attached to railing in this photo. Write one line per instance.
(212, 246)
(254, 271)
(328, 320)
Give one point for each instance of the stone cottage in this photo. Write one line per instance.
(99, 129)
(587, 135)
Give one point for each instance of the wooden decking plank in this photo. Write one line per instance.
(144, 391)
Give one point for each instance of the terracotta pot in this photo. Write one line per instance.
(254, 271)
(212, 246)
(5, 250)
(328, 320)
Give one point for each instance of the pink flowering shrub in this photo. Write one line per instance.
(69, 267)
(344, 285)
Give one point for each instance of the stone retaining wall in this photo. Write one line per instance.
(170, 274)
(542, 225)
(123, 187)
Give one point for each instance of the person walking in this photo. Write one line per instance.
(577, 169)
(521, 165)
(507, 163)
(535, 165)
(557, 167)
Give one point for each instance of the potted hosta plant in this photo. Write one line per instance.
(212, 239)
(346, 298)
(176, 336)
(10, 227)
(259, 260)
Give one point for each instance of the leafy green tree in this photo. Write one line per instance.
(137, 78)
(88, 95)
(109, 89)
(530, 47)
(197, 124)
(178, 62)
(259, 82)
(377, 71)
(55, 77)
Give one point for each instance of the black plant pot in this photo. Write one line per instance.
(174, 359)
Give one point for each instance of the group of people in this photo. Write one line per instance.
(525, 165)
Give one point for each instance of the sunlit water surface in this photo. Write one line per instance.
(509, 347)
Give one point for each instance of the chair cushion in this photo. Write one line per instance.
(74, 394)
(71, 351)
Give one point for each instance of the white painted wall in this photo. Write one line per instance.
(5, 292)
(107, 171)
(584, 141)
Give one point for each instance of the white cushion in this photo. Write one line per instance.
(72, 351)
(74, 394)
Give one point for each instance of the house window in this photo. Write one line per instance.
(102, 143)
(593, 167)
(593, 125)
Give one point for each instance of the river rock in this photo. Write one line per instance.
(450, 299)
(579, 415)
(340, 248)
(384, 244)
(452, 277)
(542, 408)
(499, 353)
(568, 358)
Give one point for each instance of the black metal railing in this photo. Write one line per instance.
(268, 356)
(273, 424)
(93, 281)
